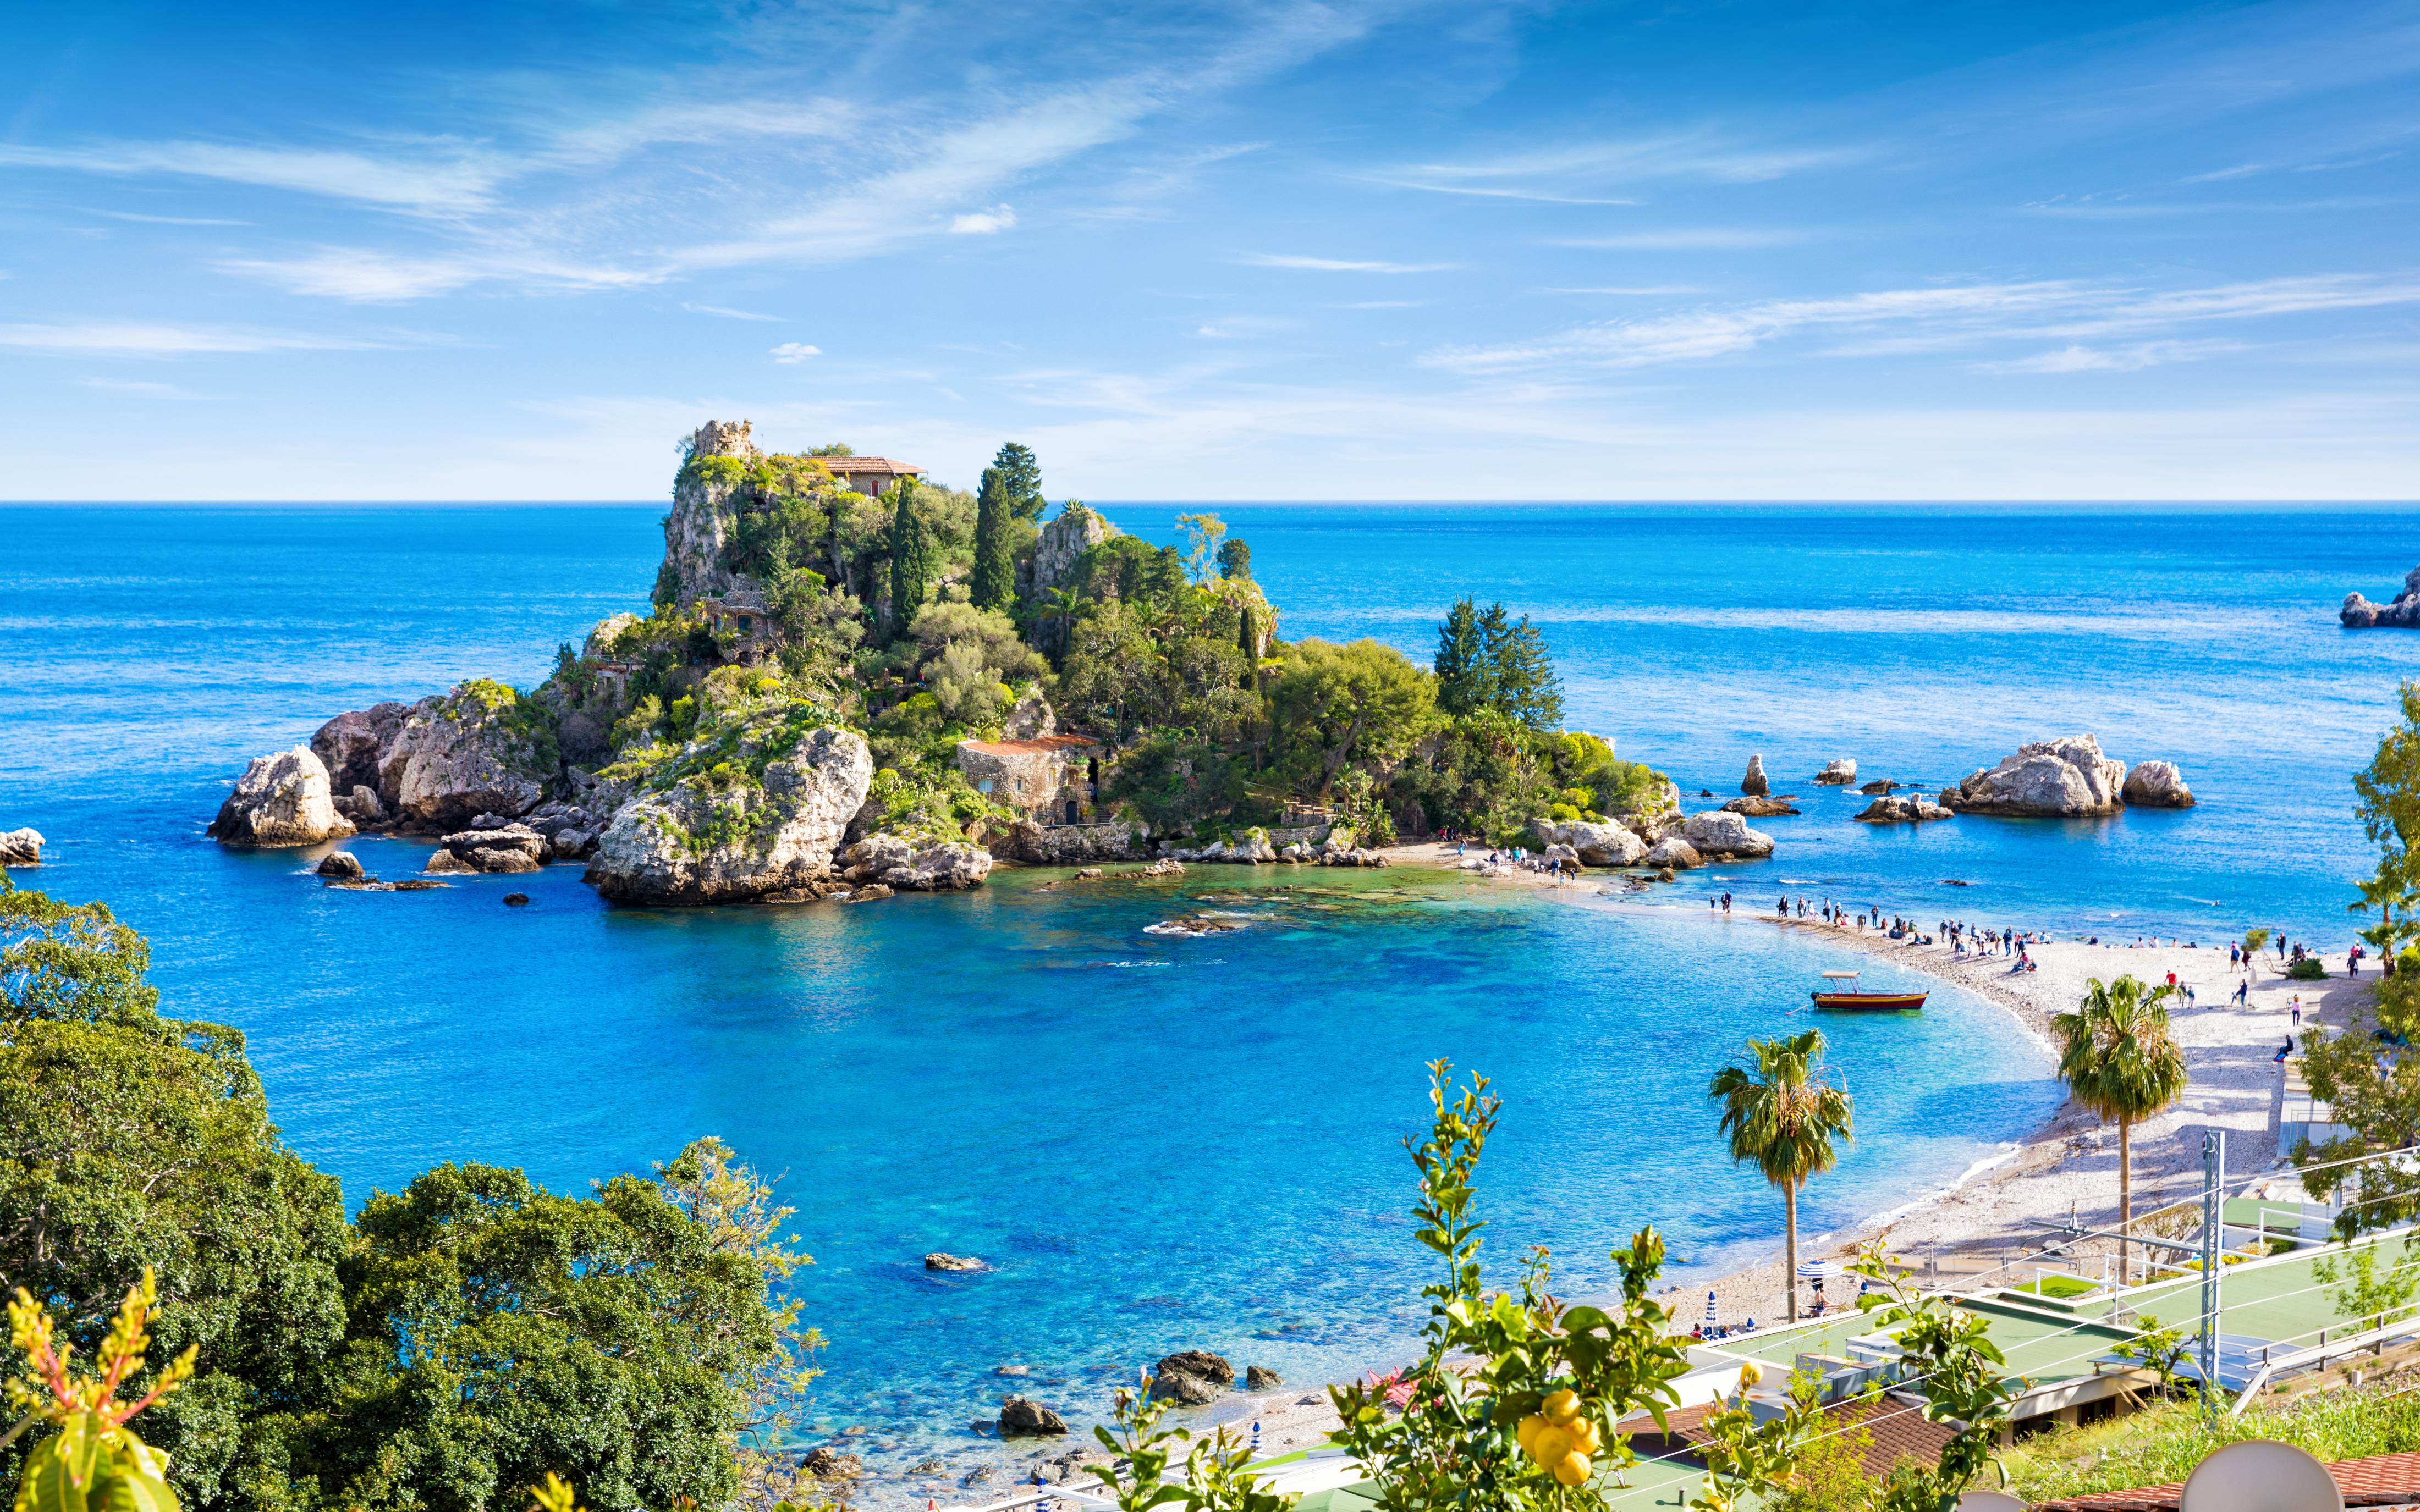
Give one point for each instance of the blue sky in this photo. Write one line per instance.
(1354, 249)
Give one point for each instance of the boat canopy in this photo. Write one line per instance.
(1841, 976)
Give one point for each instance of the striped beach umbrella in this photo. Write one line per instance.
(1710, 1309)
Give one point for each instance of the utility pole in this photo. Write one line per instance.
(2213, 1258)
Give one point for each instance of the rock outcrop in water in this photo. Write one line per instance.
(2158, 785)
(1755, 785)
(1761, 807)
(904, 865)
(1594, 844)
(2063, 778)
(1720, 833)
(1911, 809)
(1838, 772)
(461, 754)
(2359, 613)
(21, 847)
(281, 800)
(705, 828)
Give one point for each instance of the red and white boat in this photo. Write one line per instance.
(1848, 998)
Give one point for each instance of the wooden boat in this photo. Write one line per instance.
(1848, 999)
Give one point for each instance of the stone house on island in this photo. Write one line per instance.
(741, 615)
(1051, 779)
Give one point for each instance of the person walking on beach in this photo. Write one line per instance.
(2242, 993)
(2298, 1009)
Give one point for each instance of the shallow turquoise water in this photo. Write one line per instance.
(1163, 1141)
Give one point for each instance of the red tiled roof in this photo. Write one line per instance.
(869, 464)
(2381, 1480)
(1040, 745)
(1900, 1432)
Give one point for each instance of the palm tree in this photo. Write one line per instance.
(2121, 1063)
(1783, 1114)
(1061, 604)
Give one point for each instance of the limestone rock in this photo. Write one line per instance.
(1261, 1377)
(2157, 785)
(362, 806)
(21, 847)
(281, 799)
(339, 864)
(1838, 772)
(599, 644)
(1672, 853)
(457, 756)
(1031, 718)
(353, 744)
(824, 1462)
(1560, 853)
(1879, 785)
(694, 839)
(1910, 809)
(1184, 1390)
(444, 863)
(917, 865)
(1759, 808)
(574, 844)
(1595, 845)
(1720, 832)
(1754, 784)
(943, 1260)
(2403, 611)
(2068, 777)
(1020, 1417)
(1062, 543)
(1068, 844)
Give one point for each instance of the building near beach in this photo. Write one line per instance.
(1049, 779)
(743, 623)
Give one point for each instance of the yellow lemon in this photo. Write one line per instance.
(1749, 1374)
(1584, 1438)
(1571, 1469)
(1562, 1407)
(1549, 1444)
(1528, 1430)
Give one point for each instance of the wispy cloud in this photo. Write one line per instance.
(168, 220)
(1337, 265)
(1689, 239)
(1638, 290)
(984, 222)
(2131, 358)
(128, 338)
(1242, 327)
(791, 352)
(1535, 196)
(1899, 321)
(141, 389)
(365, 275)
(729, 314)
(440, 178)
(1716, 156)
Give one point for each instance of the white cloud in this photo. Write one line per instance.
(168, 220)
(140, 388)
(2133, 359)
(130, 338)
(1687, 238)
(728, 313)
(1337, 265)
(447, 179)
(367, 276)
(984, 222)
(795, 351)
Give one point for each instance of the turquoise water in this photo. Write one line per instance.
(1159, 1141)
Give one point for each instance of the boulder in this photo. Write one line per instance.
(2359, 613)
(516, 900)
(1759, 808)
(943, 1260)
(281, 799)
(1754, 784)
(574, 844)
(917, 865)
(362, 806)
(1261, 1377)
(1031, 719)
(2157, 785)
(1182, 1389)
(1838, 772)
(353, 744)
(519, 839)
(1020, 1417)
(824, 1462)
(462, 754)
(1560, 853)
(1672, 853)
(1595, 845)
(1210, 1367)
(1879, 785)
(1910, 809)
(694, 837)
(21, 847)
(444, 863)
(1720, 832)
(2062, 778)
(339, 864)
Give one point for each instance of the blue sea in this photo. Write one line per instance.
(1161, 1142)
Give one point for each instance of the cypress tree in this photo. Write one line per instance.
(1020, 474)
(911, 557)
(994, 583)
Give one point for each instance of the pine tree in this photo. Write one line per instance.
(1235, 560)
(1529, 692)
(1021, 476)
(911, 557)
(1466, 667)
(994, 583)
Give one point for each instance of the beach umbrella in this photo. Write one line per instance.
(1710, 1309)
(1818, 1270)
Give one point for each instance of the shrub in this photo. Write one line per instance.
(2307, 969)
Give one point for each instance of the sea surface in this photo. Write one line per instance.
(1159, 1141)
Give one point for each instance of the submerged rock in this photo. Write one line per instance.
(1019, 1416)
(704, 832)
(2066, 778)
(2157, 785)
(1838, 772)
(21, 847)
(281, 799)
(2403, 611)
(943, 1260)
(1754, 784)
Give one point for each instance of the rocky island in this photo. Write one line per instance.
(851, 681)
(2403, 610)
